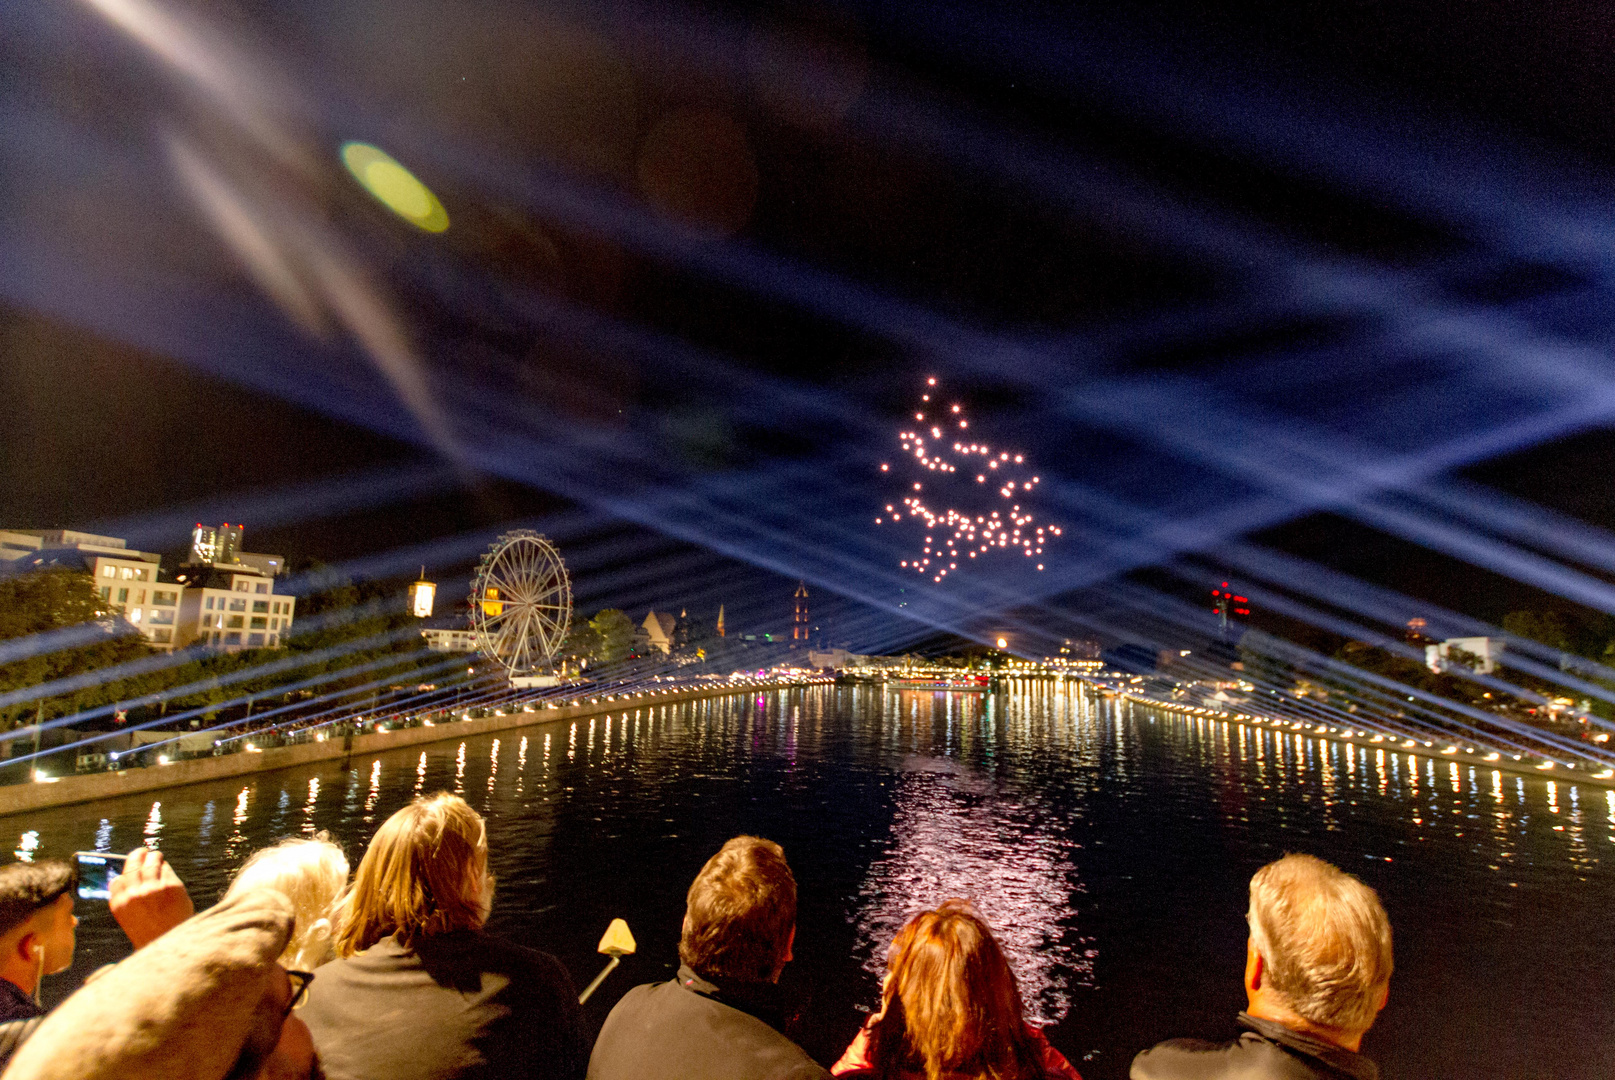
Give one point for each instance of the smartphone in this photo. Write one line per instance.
(96, 871)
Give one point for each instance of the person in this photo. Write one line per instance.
(312, 872)
(36, 931)
(419, 991)
(204, 1001)
(950, 1007)
(148, 899)
(1317, 974)
(721, 1015)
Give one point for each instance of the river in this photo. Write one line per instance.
(1110, 844)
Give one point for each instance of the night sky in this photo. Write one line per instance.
(1221, 272)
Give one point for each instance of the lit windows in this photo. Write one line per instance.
(108, 570)
(127, 574)
(134, 616)
(161, 618)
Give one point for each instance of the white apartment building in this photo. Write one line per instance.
(232, 609)
(125, 579)
(450, 641)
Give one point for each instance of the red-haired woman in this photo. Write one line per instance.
(950, 1010)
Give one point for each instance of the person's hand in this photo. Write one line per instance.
(148, 899)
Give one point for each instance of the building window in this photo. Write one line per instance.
(235, 622)
(243, 586)
(106, 591)
(232, 639)
(134, 616)
(215, 637)
(259, 622)
(256, 640)
(109, 570)
(261, 606)
(163, 637)
(162, 618)
(162, 598)
(263, 587)
(140, 575)
(209, 603)
(140, 596)
(238, 605)
(271, 641)
(123, 596)
(127, 574)
(274, 624)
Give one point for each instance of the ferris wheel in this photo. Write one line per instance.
(521, 602)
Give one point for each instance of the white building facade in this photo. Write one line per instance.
(233, 609)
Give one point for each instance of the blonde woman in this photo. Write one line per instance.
(311, 873)
(950, 1010)
(418, 990)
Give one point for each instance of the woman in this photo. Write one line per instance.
(950, 1010)
(418, 990)
(312, 874)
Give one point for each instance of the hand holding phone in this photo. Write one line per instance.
(97, 870)
(148, 899)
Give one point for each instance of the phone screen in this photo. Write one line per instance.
(96, 871)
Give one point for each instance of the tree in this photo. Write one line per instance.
(1545, 627)
(616, 632)
(54, 599)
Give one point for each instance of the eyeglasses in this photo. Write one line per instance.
(301, 981)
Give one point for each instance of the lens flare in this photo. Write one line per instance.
(395, 187)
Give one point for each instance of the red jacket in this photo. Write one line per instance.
(856, 1058)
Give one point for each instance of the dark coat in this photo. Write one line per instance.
(16, 1005)
(1265, 1051)
(464, 1005)
(690, 1029)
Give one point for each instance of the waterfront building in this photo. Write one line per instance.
(222, 547)
(450, 639)
(660, 631)
(422, 595)
(799, 617)
(1487, 653)
(126, 580)
(232, 609)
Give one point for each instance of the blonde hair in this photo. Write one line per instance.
(425, 873)
(312, 873)
(950, 1005)
(739, 912)
(1325, 940)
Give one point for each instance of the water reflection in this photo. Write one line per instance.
(953, 835)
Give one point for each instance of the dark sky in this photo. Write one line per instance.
(702, 257)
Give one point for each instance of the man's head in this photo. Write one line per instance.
(1320, 946)
(36, 920)
(425, 872)
(740, 915)
(206, 1001)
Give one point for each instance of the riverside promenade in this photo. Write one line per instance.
(93, 787)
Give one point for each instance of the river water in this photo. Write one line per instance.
(1111, 846)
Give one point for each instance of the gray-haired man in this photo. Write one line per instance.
(1317, 973)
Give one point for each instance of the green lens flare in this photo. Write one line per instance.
(395, 187)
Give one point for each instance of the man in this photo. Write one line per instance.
(720, 1016)
(36, 931)
(1317, 973)
(204, 1001)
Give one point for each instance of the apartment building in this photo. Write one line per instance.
(127, 580)
(232, 609)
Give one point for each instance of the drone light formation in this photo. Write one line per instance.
(968, 499)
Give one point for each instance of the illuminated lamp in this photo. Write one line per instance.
(395, 187)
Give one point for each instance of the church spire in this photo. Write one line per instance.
(720, 620)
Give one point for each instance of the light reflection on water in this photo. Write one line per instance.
(1108, 844)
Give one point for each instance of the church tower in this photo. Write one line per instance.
(720, 620)
(799, 622)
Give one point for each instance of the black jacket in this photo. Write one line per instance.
(693, 1029)
(460, 1006)
(1266, 1051)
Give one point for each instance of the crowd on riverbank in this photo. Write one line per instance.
(300, 972)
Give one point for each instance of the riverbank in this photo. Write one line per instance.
(1438, 753)
(93, 787)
